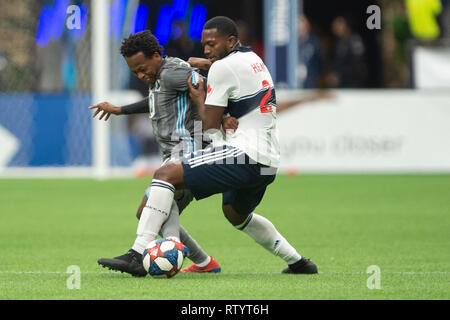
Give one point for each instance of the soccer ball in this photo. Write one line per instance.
(164, 257)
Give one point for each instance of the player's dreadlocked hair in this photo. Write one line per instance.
(143, 41)
(224, 25)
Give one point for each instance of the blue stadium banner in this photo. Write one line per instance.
(281, 41)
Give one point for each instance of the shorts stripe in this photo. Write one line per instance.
(207, 155)
(232, 153)
(220, 153)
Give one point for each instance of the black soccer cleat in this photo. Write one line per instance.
(130, 262)
(302, 266)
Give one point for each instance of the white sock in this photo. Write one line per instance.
(264, 232)
(154, 214)
(204, 263)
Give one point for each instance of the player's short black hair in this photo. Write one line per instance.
(224, 25)
(143, 41)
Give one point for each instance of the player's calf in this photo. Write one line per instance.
(141, 207)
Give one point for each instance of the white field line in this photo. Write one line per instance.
(50, 272)
(231, 273)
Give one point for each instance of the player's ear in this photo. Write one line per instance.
(231, 42)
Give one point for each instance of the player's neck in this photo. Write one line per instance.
(236, 45)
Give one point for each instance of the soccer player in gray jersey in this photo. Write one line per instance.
(173, 117)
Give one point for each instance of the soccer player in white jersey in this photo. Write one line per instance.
(239, 165)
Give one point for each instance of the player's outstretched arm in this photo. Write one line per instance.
(106, 109)
(200, 63)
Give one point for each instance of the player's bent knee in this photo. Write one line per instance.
(162, 174)
(232, 216)
(171, 173)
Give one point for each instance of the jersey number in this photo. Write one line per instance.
(263, 106)
(151, 104)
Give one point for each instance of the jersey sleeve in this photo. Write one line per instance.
(137, 107)
(176, 79)
(222, 85)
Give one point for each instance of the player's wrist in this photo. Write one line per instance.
(198, 99)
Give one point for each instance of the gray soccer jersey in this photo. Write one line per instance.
(171, 111)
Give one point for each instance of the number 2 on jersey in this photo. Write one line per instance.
(263, 106)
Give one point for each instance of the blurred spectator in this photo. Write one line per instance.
(394, 37)
(3, 64)
(247, 40)
(310, 55)
(180, 45)
(348, 60)
(445, 18)
(423, 18)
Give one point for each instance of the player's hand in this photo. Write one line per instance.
(200, 63)
(197, 95)
(230, 124)
(106, 109)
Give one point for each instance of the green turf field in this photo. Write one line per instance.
(344, 223)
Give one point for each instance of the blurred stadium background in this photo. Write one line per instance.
(372, 86)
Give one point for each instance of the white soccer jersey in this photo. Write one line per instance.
(241, 83)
